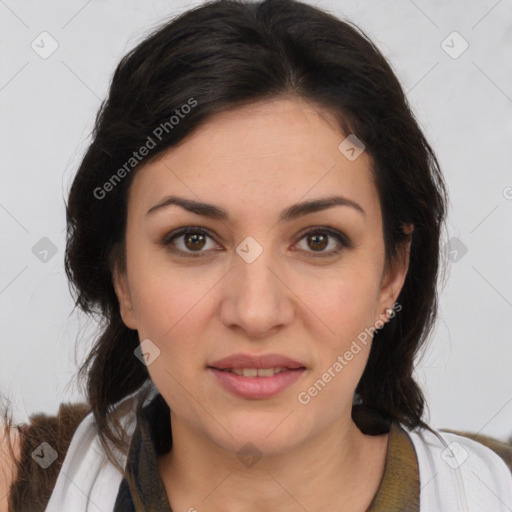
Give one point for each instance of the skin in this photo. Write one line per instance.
(8, 469)
(255, 161)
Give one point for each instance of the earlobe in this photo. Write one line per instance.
(122, 289)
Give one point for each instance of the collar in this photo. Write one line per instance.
(142, 488)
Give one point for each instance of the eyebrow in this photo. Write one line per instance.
(292, 212)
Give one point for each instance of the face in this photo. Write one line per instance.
(254, 281)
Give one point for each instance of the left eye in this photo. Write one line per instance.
(319, 239)
(194, 240)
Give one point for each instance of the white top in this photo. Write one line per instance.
(456, 473)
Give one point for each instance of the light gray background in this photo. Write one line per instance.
(464, 105)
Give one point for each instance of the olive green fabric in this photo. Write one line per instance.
(399, 489)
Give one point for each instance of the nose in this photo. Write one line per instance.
(256, 298)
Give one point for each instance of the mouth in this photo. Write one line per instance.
(256, 376)
(256, 383)
(258, 372)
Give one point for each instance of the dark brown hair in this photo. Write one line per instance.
(222, 55)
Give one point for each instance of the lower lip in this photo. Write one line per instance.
(257, 387)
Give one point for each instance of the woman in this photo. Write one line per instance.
(257, 219)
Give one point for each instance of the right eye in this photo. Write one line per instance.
(193, 241)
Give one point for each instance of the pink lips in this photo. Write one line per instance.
(250, 361)
(256, 387)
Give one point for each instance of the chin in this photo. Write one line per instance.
(267, 434)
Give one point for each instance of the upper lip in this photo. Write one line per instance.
(255, 361)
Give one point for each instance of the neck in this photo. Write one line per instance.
(338, 466)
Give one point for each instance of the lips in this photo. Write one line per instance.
(256, 388)
(240, 361)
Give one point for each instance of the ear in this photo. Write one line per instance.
(394, 276)
(122, 288)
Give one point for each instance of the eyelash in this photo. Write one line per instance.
(340, 237)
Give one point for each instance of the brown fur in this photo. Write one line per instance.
(31, 490)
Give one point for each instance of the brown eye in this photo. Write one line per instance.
(318, 239)
(192, 241)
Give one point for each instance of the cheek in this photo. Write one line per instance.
(172, 316)
(172, 311)
(348, 302)
(165, 296)
(348, 310)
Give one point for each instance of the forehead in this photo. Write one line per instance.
(267, 154)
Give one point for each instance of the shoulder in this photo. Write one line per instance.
(43, 443)
(9, 457)
(501, 448)
(463, 469)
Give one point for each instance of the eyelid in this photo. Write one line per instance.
(335, 233)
